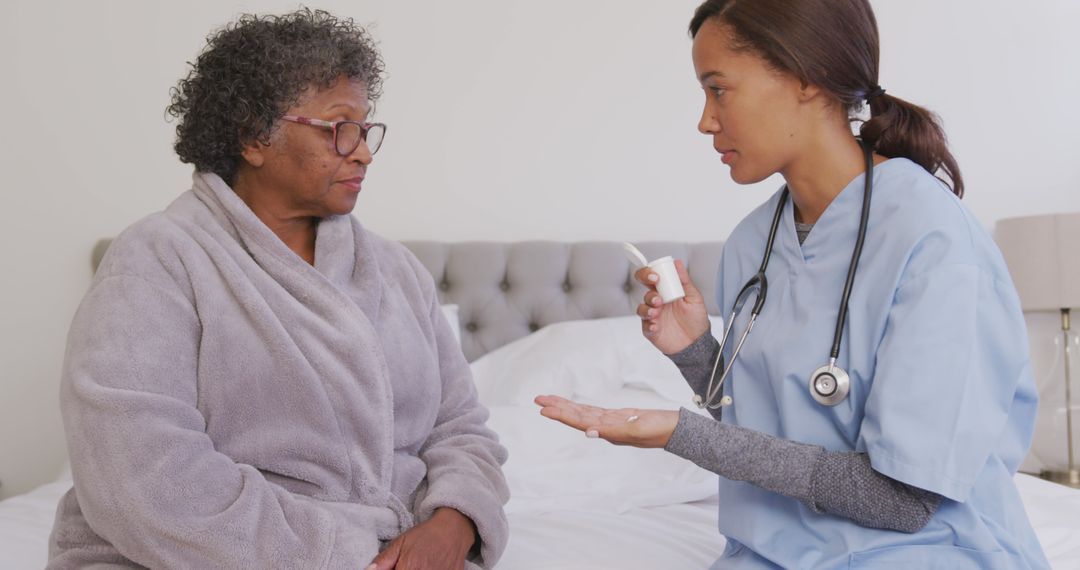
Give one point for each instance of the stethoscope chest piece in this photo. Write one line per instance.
(829, 385)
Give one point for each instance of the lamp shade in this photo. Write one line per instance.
(1043, 255)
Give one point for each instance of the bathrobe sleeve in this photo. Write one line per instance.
(147, 476)
(949, 365)
(462, 455)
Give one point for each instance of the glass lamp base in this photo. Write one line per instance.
(1070, 477)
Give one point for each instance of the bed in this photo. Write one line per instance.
(544, 317)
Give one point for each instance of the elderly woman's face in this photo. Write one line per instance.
(300, 170)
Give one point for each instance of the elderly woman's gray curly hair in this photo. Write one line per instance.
(253, 70)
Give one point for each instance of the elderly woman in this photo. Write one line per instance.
(254, 380)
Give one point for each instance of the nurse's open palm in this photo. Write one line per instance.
(674, 326)
(623, 426)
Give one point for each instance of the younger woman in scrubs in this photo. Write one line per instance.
(913, 467)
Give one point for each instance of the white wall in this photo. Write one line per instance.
(509, 120)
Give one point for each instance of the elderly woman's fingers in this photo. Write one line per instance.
(387, 558)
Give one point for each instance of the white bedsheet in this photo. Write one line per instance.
(607, 530)
(581, 504)
(577, 503)
(1054, 511)
(25, 523)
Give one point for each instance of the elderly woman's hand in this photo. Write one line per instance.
(625, 426)
(441, 542)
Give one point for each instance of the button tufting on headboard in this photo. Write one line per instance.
(513, 287)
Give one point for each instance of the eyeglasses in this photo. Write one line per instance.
(347, 134)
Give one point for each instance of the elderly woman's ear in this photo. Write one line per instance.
(254, 152)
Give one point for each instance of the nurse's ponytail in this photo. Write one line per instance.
(898, 128)
(834, 44)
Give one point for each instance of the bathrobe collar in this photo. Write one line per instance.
(342, 252)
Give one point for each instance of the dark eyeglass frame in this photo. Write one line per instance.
(365, 128)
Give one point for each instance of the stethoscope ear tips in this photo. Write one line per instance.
(700, 402)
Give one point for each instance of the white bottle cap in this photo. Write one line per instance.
(669, 286)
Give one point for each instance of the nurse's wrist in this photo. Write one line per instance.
(683, 441)
(702, 350)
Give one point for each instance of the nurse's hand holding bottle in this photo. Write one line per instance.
(674, 326)
(671, 328)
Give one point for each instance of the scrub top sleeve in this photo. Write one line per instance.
(949, 363)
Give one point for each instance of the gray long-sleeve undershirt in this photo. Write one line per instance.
(835, 482)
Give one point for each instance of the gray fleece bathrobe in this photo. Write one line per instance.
(228, 405)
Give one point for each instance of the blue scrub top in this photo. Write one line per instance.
(942, 396)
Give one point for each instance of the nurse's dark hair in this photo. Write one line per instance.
(834, 45)
(252, 70)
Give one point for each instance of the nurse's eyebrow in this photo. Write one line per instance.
(710, 74)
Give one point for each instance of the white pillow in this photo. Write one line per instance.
(582, 360)
(555, 468)
(602, 362)
(450, 311)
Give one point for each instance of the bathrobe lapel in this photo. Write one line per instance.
(335, 330)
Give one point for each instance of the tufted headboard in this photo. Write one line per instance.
(504, 290)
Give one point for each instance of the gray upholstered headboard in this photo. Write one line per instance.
(504, 291)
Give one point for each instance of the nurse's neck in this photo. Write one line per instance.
(821, 171)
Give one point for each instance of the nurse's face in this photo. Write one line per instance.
(752, 111)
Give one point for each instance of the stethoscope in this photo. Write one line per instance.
(829, 385)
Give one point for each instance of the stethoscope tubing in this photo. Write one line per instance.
(761, 282)
(855, 255)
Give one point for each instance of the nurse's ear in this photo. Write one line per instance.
(808, 92)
